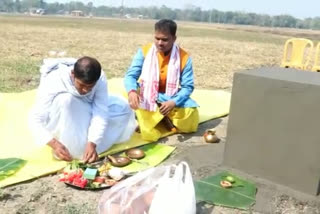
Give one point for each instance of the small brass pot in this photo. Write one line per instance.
(210, 136)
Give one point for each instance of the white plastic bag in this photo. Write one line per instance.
(133, 195)
(175, 192)
(164, 189)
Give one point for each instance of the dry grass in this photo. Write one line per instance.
(217, 53)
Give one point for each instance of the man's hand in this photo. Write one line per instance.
(60, 150)
(133, 98)
(90, 153)
(166, 107)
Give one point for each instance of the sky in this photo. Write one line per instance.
(297, 8)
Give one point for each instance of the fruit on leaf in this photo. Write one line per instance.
(230, 179)
(99, 179)
(95, 185)
(80, 182)
(104, 168)
(110, 182)
(225, 184)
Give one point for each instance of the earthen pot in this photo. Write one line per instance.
(210, 136)
(119, 161)
(135, 153)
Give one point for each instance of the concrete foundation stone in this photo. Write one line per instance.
(274, 127)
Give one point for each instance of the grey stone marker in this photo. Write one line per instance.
(274, 127)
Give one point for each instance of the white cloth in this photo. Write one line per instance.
(150, 77)
(61, 112)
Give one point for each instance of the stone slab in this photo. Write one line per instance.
(274, 127)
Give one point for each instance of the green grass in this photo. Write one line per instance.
(19, 75)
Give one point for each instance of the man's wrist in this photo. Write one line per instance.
(52, 143)
(92, 144)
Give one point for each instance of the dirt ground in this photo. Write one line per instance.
(47, 195)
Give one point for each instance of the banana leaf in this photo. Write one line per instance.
(241, 195)
(9, 166)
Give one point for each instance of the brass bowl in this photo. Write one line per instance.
(119, 161)
(135, 153)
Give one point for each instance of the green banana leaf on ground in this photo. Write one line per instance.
(9, 166)
(241, 195)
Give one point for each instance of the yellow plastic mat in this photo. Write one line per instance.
(16, 140)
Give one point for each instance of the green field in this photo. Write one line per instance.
(217, 50)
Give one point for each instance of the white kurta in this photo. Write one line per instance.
(61, 112)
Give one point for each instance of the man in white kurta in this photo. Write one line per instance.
(74, 114)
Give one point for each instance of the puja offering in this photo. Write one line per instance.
(230, 179)
(119, 161)
(116, 174)
(90, 176)
(101, 174)
(135, 153)
(225, 184)
(230, 182)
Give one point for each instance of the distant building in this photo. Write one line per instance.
(36, 11)
(77, 13)
(127, 16)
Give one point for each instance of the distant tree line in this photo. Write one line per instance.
(191, 13)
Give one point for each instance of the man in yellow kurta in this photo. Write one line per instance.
(161, 74)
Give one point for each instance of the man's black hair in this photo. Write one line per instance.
(166, 26)
(87, 69)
